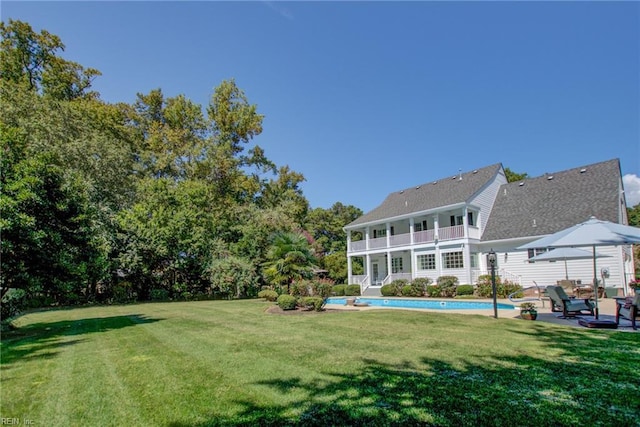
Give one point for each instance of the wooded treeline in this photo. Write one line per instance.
(157, 199)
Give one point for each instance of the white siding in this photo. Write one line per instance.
(486, 197)
(548, 273)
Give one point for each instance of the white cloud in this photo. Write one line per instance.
(631, 184)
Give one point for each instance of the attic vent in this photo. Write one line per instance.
(521, 184)
(583, 170)
(550, 177)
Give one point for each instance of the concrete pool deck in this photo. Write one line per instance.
(606, 307)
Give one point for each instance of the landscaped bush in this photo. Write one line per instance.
(322, 287)
(388, 290)
(338, 290)
(352, 290)
(464, 290)
(268, 294)
(420, 285)
(301, 288)
(287, 302)
(398, 285)
(434, 291)
(410, 291)
(313, 303)
(123, 293)
(448, 286)
(503, 289)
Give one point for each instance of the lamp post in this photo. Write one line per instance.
(492, 265)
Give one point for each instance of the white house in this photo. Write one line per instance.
(448, 225)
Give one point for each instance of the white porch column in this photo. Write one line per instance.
(366, 237)
(348, 241)
(412, 263)
(436, 226)
(465, 222)
(349, 270)
(368, 270)
(388, 263)
(411, 227)
(388, 226)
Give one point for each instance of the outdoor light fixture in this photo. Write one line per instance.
(492, 264)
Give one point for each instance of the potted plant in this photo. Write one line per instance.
(528, 311)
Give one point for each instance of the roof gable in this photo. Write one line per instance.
(554, 201)
(431, 195)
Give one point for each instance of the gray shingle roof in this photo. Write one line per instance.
(571, 197)
(431, 195)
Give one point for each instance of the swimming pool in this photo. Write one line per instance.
(422, 303)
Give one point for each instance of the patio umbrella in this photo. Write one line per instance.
(564, 254)
(593, 232)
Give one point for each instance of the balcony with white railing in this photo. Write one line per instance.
(419, 238)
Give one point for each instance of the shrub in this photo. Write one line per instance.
(287, 302)
(301, 288)
(503, 289)
(410, 291)
(322, 287)
(352, 290)
(159, 294)
(388, 290)
(12, 303)
(447, 286)
(123, 293)
(420, 285)
(338, 290)
(313, 303)
(462, 290)
(434, 291)
(268, 294)
(233, 276)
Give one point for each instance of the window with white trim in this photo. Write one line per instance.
(452, 260)
(427, 262)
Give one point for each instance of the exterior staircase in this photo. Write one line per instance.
(372, 292)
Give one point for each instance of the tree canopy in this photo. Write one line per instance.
(160, 198)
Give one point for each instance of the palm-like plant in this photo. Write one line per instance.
(289, 258)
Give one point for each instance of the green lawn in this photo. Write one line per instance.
(231, 363)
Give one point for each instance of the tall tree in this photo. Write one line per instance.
(289, 258)
(514, 176)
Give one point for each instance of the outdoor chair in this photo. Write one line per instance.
(569, 286)
(569, 307)
(628, 309)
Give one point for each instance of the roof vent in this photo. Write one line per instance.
(521, 184)
(583, 170)
(455, 177)
(534, 223)
(401, 191)
(550, 177)
(475, 171)
(435, 182)
(417, 187)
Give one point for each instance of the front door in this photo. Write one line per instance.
(376, 274)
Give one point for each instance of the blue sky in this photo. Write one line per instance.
(366, 98)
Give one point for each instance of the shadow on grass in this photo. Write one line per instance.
(41, 340)
(595, 382)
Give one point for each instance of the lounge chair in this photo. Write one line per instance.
(628, 309)
(568, 306)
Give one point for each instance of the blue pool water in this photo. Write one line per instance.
(422, 303)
